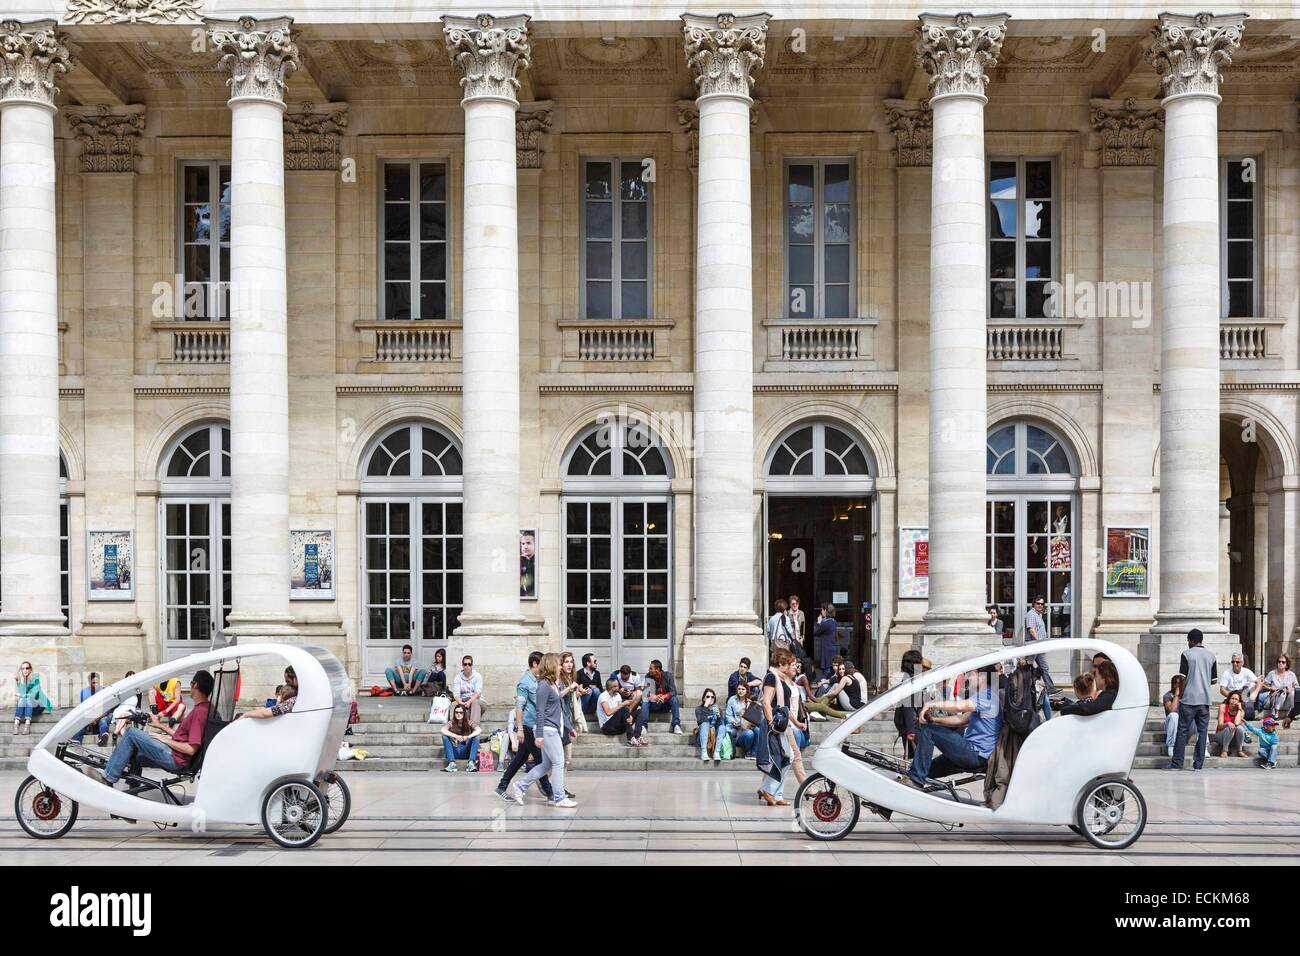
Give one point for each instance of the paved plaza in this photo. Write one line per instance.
(1215, 817)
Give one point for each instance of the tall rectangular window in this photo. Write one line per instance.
(204, 248)
(413, 241)
(819, 239)
(1022, 243)
(615, 239)
(1238, 250)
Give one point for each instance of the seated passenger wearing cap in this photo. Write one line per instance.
(964, 737)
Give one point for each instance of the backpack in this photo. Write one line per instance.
(1020, 706)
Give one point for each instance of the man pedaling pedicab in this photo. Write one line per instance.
(965, 735)
(160, 747)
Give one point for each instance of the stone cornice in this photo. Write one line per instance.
(109, 140)
(724, 51)
(258, 54)
(1188, 51)
(312, 138)
(488, 51)
(532, 120)
(132, 11)
(912, 124)
(32, 55)
(958, 52)
(1128, 131)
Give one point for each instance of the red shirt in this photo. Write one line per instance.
(190, 731)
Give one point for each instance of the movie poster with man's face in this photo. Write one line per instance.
(528, 565)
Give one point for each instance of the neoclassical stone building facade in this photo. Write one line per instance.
(492, 331)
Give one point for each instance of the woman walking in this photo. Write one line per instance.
(31, 699)
(773, 750)
(549, 733)
(569, 687)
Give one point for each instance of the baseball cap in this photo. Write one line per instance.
(1268, 721)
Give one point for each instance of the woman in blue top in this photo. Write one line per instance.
(30, 698)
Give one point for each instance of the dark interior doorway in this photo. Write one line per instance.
(819, 547)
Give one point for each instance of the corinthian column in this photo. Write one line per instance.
(957, 52)
(722, 52)
(488, 51)
(31, 626)
(1188, 52)
(258, 54)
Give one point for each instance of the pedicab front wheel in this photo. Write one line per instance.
(42, 812)
(294, 814)
(825, 810)
(338, 799)
(1111, 814)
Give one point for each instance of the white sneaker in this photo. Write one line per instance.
(565, 804)
(677, 730)
(817, 716)
(704, 757)
(519, 793)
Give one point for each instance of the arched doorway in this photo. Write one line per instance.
(194, 538)
(1031, 538)
(412, 536)
(821, 530)
(618, 553)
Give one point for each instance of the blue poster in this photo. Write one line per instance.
(110, 566)
(311, 565)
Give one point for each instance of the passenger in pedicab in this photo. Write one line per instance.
(169, 701)
(1105, 680)
(160, 747)
(965, 734)
(284, 701)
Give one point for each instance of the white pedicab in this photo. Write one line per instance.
(276, 772)
(1071, 770)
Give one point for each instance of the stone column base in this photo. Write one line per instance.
(712, 648)
(500, 655)
(945, 638)
(113, 647)
(903, 635)
(60, 662)
(1161, 648)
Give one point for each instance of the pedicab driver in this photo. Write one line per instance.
(965, 737)
(160, 747)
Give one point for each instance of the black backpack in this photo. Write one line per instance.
(1020, 705)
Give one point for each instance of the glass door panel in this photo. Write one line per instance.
(195, 571)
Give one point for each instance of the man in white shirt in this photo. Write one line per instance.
(468, 689)
(618, 714)
(1036, 630)
(1243, 679)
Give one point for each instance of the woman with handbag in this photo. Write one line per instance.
(742, 730)
(712, 728)
(773, 752)
(32, 701)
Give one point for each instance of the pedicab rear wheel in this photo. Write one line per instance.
(825, 810)
(42, 812)
(294, 814)
(1111, 814)
(338, 799)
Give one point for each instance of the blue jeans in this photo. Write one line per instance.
(647, 706)
(717, 741)
(743, 740)
(23, 712)
(456, 751)
(136, 743)
(590, 699)
(395, 679)
(100, 727)
(1268, 753)
(801, 737)
(957, 751)
(1187, 715)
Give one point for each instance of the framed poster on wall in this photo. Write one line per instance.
(1128, 562)
(913, 562)
(109, 566)
(528, 564)
(311, 565)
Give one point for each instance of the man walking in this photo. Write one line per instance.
(1036, 630)
(1199, 671)
(525, 717)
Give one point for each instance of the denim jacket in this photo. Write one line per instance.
(735, 712)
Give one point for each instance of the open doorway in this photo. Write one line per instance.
(821, 534)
